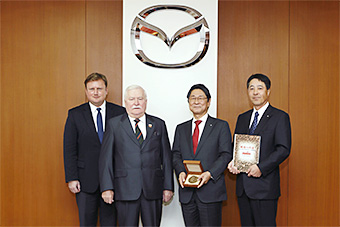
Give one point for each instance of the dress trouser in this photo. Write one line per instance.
(196, 213)
(149, 210)
(257, 212)
(88, 206)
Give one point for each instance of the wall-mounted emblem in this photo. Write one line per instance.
(199, 26)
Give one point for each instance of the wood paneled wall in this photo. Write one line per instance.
(48, 48)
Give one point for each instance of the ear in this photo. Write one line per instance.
(268, 92)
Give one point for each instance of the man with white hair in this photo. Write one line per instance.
(135, 164)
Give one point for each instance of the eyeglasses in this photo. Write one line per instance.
(198, 99)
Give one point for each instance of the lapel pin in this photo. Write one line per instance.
(268, 115)
(150, 125)
(210, 125)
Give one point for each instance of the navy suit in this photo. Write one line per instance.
(133, 171)
(81, 155)
(275, 131)
(214, 152)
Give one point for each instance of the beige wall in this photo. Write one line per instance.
(47, 49)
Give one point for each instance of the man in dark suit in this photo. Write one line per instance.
(135, 163)
(84, 129)
(208, 140)
(258, 190)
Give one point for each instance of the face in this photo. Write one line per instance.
(135, 103)
(198, 103)
(258, 93)
(96, 92)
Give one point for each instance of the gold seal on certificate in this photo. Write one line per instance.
(246, 151)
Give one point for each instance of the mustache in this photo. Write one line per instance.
(136, 107)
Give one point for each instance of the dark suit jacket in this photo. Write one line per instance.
(214, 152)
(82, 145)
(130, 169)
(274, 129)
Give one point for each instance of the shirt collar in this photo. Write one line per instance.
(262, 109)
(94, 108)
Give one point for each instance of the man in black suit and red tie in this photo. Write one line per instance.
(83, 135)
(135, 163)
(208, 140)
(258, 190)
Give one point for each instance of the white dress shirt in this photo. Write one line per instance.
(200, 126)
(260, 111)
(141, 125)
(94, 112)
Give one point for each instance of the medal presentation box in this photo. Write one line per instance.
(194, 170)
(246, 151)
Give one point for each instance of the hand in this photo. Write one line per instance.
(108, 196)
(204, 178)
(74, 186)
(254, 171)
(167, 196)
(181, 178)
(233, 169)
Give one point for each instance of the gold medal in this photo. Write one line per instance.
(193, 179)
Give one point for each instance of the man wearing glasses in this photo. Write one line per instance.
(208, 140)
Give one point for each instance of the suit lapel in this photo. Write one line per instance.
(264, 119)
(89, 119)
(188, 134)
(150, 128)
(126, 125)
(209, 125)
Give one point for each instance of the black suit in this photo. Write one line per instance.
(214, 152)
(135, 171)
(275, 131)
(81, 155)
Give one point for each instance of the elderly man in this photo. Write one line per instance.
(135, 163)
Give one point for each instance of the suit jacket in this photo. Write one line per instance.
(82, 145)
(274, 129)
(128, 168)
(214, 152)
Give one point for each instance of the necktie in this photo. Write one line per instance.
(138, 132)
(195, 136)
(100, 125)
(254, 124)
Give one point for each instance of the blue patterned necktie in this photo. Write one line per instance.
(100, 125)
(138, 132)
(254, 124)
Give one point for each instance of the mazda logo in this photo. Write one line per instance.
(140, 25)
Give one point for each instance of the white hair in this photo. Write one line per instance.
(134, 87)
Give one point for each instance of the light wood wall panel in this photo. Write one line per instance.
(43, 67)
(104, 43)
(253, 37)
(314, 108)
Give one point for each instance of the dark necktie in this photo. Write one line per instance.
(100, 125)
(254, 124)
(138, 132)
(195, 136)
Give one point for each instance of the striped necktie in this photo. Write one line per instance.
(138, 132)
(254, 124)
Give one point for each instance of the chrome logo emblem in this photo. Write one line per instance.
(199, 26)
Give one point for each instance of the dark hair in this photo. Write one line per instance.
(260, 77)
(202, 87)
(95, 77)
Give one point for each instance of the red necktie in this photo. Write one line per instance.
(195, 136)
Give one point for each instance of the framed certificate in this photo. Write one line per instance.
(246, 151)
(194, 170)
